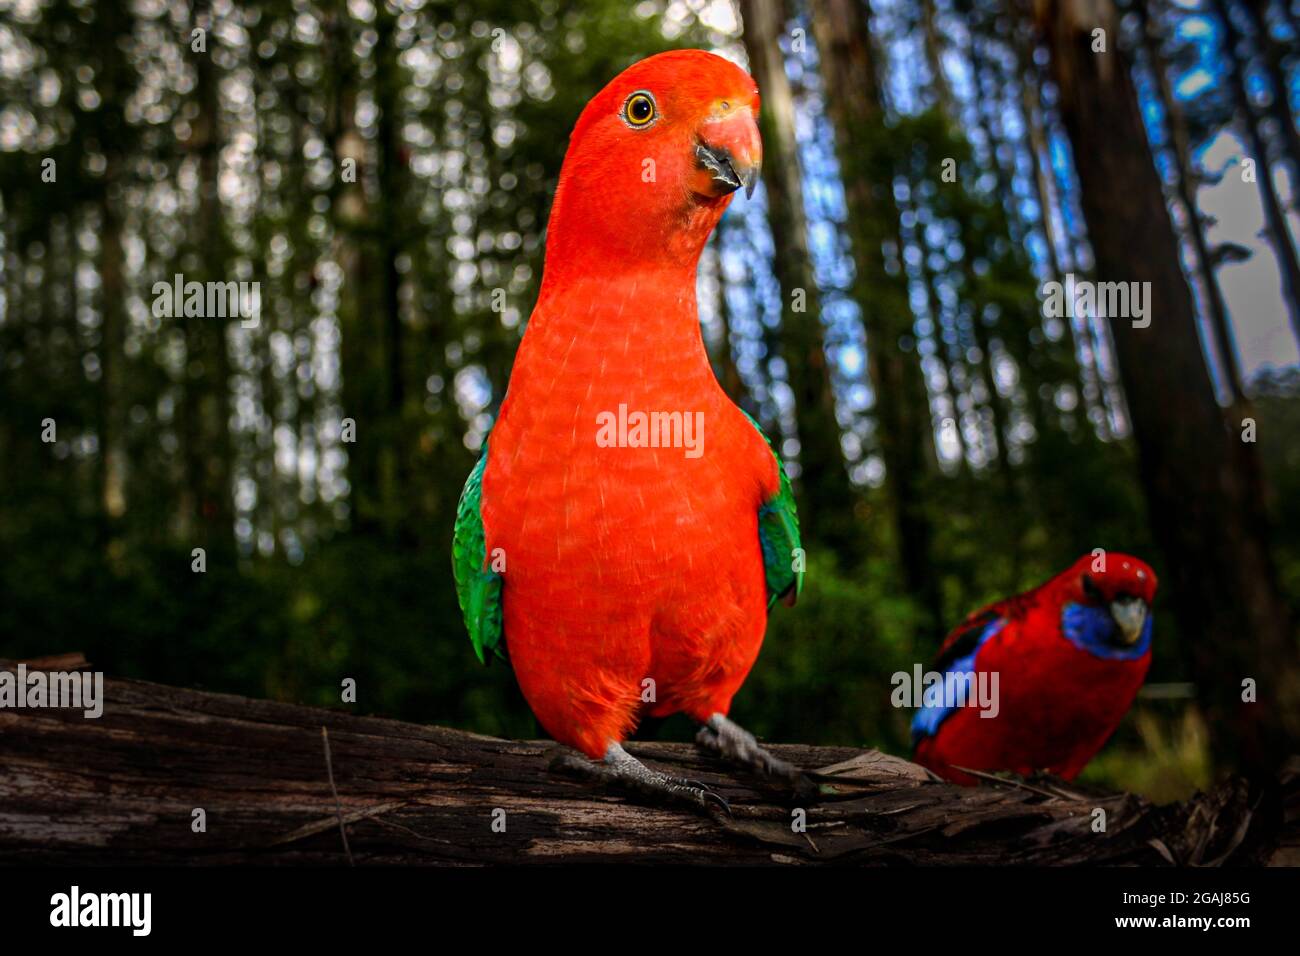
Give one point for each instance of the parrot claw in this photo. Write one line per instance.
(621, 769)
(730, 741)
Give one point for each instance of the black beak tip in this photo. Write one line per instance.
(720, 163)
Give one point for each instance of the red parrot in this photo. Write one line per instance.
(628, 527)
(1069, 657)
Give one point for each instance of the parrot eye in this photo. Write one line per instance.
(1091, 590)
(639, 110)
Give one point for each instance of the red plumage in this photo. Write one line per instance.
(1059, 701)
(629, 564)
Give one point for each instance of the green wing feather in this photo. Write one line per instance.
(478, 587)
(778, 536)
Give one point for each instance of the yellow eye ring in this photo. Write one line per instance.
(640, 111)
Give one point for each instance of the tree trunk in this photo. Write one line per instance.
(1085, 351)
(207, 376)
(934, 60)
(112, 453)
(867, 169)
(984, 96)
(362, 392)
(389, 213)
(942, 354)
(1274, 214)
(826, 493)
(725, 359)
(1181, 150)
(1234, 625)
(1279, 105)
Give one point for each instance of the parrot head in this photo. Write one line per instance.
(652, 164)
(1118, 585)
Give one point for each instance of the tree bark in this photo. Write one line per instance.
(1233, 622)
(279, 783)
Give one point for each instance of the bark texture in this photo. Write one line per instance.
(123, 789)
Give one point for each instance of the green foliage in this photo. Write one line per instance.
(1162, 753)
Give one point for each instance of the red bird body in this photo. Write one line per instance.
(633, 578)
(624, 564)
(1067, 673)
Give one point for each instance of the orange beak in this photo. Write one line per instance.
(728, 154)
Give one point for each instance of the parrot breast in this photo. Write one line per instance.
(634, 579)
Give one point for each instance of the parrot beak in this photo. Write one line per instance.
(1130, 615)
(728, 154)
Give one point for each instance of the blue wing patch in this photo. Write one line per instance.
(933, 710)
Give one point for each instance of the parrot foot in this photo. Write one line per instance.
(729, 740)
(621, 769)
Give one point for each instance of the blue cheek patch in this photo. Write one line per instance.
(932, 712)
(1092, 629)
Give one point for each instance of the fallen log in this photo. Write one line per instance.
(279, 783)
